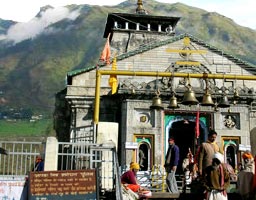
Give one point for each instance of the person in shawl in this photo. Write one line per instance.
(207, 150)
(171, 163)
(248, 161)
(245, 178)
(217, 179)
(39, 164)
(129, 178)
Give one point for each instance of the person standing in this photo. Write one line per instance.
(171, 163)
(39, 164)
(245, 179)
(207, 150)
(248, 161)
(216, 179)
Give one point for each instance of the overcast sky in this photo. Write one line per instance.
(241, 11)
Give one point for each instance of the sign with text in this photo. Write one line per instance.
(13, 189)
(131, 145)
(68, 184)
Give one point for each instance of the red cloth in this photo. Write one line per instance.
(222, 180)
(197, 128)
(134, 187)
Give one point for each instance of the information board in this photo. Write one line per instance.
(68, 184)
(13, 188)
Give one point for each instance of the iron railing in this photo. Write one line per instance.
(20, 157)
(76, 156)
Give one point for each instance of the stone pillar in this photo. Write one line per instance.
(107, 136)
(107, 131)
(51, 154)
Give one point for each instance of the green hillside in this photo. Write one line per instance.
(34, 70)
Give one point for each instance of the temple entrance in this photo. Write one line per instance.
(182, 128)
(184, 134)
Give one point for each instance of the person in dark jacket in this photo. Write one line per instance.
(171, 163)
(39, 164)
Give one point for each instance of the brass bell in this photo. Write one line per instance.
(189, 97)
(157, 103)
(223, 103)
(133, 91)
(173, 103)
(207, 99)
(236, 95)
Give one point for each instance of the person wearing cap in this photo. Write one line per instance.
(129, 178)
(217, 179)
(245, 178)
(206, 152)
(248, 161)
(171, 163)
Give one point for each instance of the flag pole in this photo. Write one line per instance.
(197, 125)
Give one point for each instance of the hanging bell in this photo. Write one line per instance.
(223, 103)
(173, 102)
(133, 91)
(207, 99)
(236, 95)
(189, 97)
(157, 103)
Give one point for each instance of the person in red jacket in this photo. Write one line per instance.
(129, 178)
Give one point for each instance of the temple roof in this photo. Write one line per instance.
(145, 48)
(153, 20)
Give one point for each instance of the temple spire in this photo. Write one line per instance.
(139, 9)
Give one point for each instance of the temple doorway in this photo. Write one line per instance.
(182, 128)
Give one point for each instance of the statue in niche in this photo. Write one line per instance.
(229, 121)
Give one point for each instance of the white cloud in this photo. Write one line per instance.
(26, 30)
(241, 11)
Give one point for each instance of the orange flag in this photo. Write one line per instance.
(105, 54)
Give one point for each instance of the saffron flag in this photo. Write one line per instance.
(113, 78)
(105, 54)
(197, 128)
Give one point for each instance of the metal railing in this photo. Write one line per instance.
(75, 156)
(19, 158)
(154, 179)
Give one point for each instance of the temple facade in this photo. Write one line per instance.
(165, 85)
